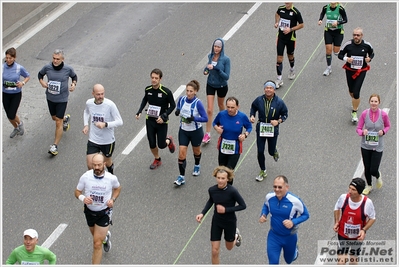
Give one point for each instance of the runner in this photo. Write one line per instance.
(98, 190)
(357, 53)
(57, 93)
(224, 197)
(161, 104)
(272, 111)
(192, 113)
(104, 117)
(288, 20)
(333, 30)
(354, 214)
(287, 211)
(373, 124)
(218, 71)
(229, 124)
(12, 90)
(30, 253)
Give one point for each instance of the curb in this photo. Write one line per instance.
(27, 21)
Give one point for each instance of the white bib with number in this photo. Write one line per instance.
(228, 146)
(266, 129)
(153, 111)
(54, 87)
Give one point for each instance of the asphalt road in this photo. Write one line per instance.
(117, 45)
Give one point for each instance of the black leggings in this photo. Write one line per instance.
(11, 104)
(355, 85)
(371, 162)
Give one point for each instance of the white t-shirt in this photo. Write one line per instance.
(104, 112)
(100, 190)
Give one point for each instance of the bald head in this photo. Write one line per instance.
(98, 93)
(98, 164)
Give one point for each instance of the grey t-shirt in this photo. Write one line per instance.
(58, 82)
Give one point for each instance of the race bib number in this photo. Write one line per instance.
(351, 231)
(54, 87)
(10, 85)
(97, 200)
(153, 111)
(357, 62)
(372, 138)
(284, 23)
(228, 147)
(330, 22)
(266, 129)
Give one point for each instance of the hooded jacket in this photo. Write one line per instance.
(220, 73)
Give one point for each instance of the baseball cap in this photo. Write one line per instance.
(31, 232)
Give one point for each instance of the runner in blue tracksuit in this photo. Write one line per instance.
(287, 212)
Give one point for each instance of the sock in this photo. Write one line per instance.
(292, 63)
(197, 159)
(279, 67)
(182, 166)
(111, 168)
(329, 59)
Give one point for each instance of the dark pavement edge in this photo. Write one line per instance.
(25, 16)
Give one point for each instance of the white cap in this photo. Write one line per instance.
(31, 232)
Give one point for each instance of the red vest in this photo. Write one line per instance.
(352, 221)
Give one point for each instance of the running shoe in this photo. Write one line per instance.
(379, 181)
(14, 132)
(278, 83)
(107, 242)
(196, 170)
(367, 190)
(53, 150)
(291, 75)
(180, 180)
(21, 128)
(327, 71)
(156, 164)
(354, 116)
(67, 118)
(262, 175)
(206, 139)
(276, 156)
(239, 238)
(171, 145)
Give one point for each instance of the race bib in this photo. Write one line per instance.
(54, 87)
(153, 111)
(228, 147)
(266, 129)
(329, 23)
(284, 23)
(357, 62)
(10, 85)
(372, 138)
(351, 231)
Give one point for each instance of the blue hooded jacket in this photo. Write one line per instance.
(220, 73)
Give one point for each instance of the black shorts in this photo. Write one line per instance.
(334, 37)
(345, 244)
(57, 109)
(218, 226)
(11, 104)
(101, 218)
(156, 133)
(195, 137)
(220, 91)
(282, 43)
(107, 150)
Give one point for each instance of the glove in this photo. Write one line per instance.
(190, 119)
(177, 112)
(164, 117)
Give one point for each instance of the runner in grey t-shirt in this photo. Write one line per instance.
(57, 93)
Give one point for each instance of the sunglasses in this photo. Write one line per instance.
(355, 34)
(277, 186)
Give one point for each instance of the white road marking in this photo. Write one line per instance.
(53, 237)
(41, 24)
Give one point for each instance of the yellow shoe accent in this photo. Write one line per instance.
(367, 190)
